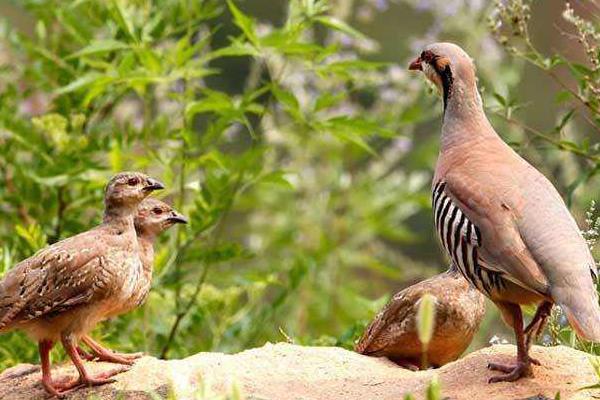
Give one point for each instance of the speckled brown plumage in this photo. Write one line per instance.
(153, 217)
(64, 290)
(459, 311)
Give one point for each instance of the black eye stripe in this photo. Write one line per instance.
(443, 71)
(428, 56)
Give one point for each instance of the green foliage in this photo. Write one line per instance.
(425, 324)
(432, 392)
(288, 139)
(595, 362)
(103, 86)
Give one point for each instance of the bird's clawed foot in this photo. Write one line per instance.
(117, 358)
(512, 372)
(104, 354)
(101, 353)
(54, 389)
(61, 387)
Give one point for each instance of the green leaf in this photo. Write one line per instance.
(51, 181)
(212, 102)
(327, 100)
(122, 18)
(32, 234)
(564, 120)
(339, 25)
(434, 391)
(235, 49)
(500, 99)
(79, 83)
(563, 96)
(426, 318)
(355, 139)
(288, 100)
(277, 178)
(245, 23)
(348, 68)
(149, 59)
(98, 47)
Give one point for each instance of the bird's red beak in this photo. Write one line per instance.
(416, 65)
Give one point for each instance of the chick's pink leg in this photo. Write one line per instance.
(104, 354)
(44, 347)
(84, 378)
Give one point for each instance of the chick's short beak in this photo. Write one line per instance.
(416, 65)
(177, 218)
(152, 185)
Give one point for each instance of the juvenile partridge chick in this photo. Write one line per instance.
(153, 218)
(64, 290)
(459, 309)
(501, 221)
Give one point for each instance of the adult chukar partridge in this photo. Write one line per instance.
(459, 309)
(500, 220)
(153, 218)
(63, 290)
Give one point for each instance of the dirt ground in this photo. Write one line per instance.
(288, 372)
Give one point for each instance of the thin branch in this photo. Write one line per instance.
(549, 139)
(10, 188)
(180, 315)
(60, 210)
(200, 282)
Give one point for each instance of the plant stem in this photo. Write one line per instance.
(181, 314)
(549, 139)
(59, 214)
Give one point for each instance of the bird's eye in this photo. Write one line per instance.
(427, 56)
(133, 181)
(157, 211)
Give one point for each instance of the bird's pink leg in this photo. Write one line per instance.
(523, 366)
(84, 378)
(538, 323)
(85, 355)
(44, 347)
(104, 354)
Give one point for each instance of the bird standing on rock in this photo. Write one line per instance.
(500, 220)
(459, 309)
(64, 290)
(153, 217)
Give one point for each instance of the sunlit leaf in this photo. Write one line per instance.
(339, 25)
(245, 23)
(99, 47)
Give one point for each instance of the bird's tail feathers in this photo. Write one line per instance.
(582, 311)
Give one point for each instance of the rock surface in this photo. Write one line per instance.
(289, 372)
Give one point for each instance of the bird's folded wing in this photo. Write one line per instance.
(553, 237)
(501, 247)
(52, 281)
(374, 338)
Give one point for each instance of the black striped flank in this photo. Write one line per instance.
(461, 240)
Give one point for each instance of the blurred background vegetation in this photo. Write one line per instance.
(292, 135)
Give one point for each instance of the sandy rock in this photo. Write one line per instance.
(288, 372)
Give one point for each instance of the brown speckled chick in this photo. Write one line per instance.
(153, 218)
(393, 333)
(64, 290)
